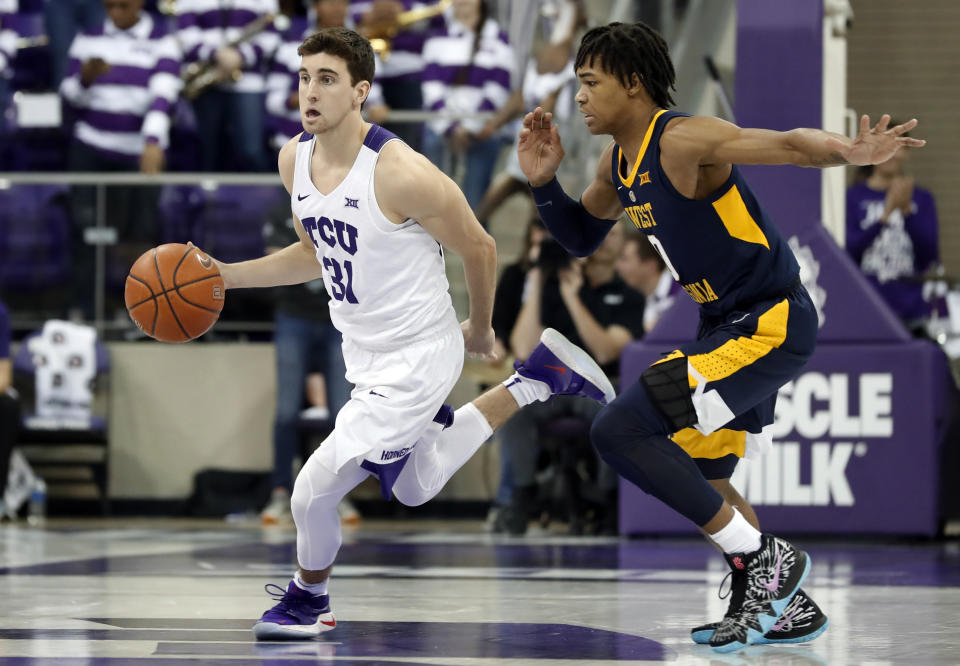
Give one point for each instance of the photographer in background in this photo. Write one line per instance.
(588, 302)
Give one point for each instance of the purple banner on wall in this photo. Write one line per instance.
(779, 71)
(856, 446)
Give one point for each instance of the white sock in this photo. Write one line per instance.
(738, 536)
(316, 589)
(526, 391)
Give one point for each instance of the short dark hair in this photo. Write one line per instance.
(343, 43)
(626, 49)
(645, 249)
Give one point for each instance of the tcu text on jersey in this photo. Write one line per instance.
(333, 233)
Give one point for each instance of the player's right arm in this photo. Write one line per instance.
(293, 264)
(579, 226)
(408, 186)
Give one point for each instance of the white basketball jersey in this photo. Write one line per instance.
(386, 281)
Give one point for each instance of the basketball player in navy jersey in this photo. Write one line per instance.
(679, 432)
(373, 217)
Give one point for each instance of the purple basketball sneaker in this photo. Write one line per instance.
(298, 615)
(566, 369)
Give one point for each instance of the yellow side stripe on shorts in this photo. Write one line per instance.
(734, 355)
(717, 444)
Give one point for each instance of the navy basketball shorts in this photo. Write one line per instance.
(734, 369)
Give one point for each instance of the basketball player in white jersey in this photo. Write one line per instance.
(374, 217)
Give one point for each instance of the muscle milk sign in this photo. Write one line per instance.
(820, 429)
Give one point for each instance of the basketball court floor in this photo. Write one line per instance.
(169, 593)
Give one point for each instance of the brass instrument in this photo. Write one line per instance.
(198, 76)
(381, 35)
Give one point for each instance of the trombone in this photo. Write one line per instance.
(381, 34)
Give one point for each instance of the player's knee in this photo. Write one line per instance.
(300, 497)
(410, 496)
(610, 430)
(626, 421)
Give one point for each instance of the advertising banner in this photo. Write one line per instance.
(857, 440)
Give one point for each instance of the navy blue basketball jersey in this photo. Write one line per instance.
(723, 249)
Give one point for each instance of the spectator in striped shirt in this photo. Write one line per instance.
(122, 81)
(283, 102)
(466, 71)
(400, 74)
(230, 115)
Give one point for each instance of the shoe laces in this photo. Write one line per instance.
(275, 591)
(286, 601)
(736, 591)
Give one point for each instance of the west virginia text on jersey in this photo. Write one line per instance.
(723, 249)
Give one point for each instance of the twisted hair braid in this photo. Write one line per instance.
(626, 49)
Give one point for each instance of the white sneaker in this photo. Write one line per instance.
(277, 510)
(317, 412)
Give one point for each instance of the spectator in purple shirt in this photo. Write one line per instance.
(892, 234)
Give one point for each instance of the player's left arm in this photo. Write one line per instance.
(408, 185)
(716, 142)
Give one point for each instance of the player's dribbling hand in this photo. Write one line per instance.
(539, 149)
(875, 145)
(478, 342)
(221, 267)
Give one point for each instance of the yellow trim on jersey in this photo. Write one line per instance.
(737, 219)
(734, 355)
(717, 444)
(643, 149)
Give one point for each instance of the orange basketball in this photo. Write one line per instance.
(174, 293)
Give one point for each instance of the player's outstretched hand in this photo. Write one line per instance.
(220, 265)
(479, 342)
(878, 144)
(539, 150)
